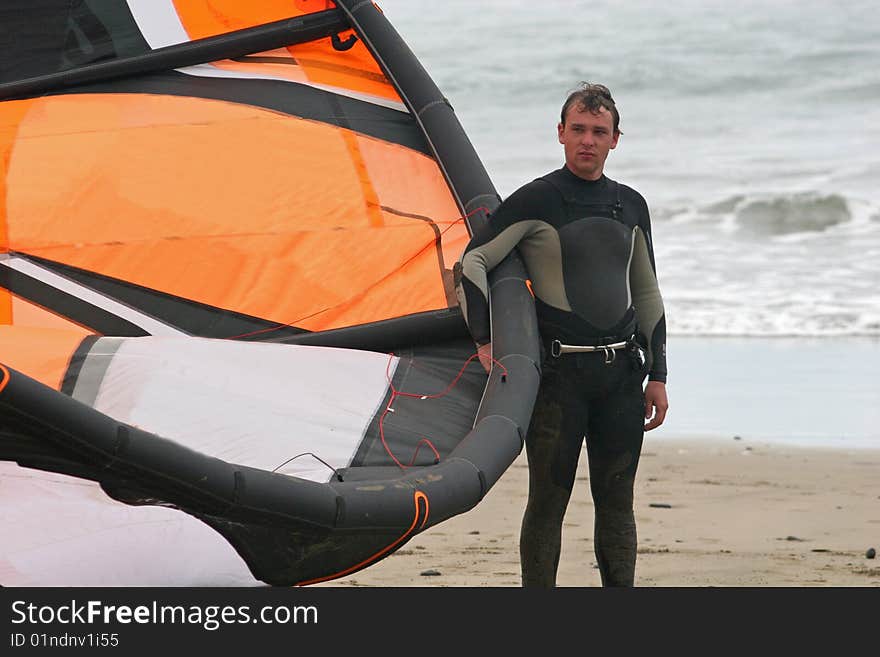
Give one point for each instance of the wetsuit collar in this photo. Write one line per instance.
(572, 177)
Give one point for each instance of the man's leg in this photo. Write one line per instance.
(553, 444)
(614, 442)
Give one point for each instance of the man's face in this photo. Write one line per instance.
(587, 138)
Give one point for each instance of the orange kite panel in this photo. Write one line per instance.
(394, 174)
(44, 354)
(5, 307)
(354, 69)
(24, 313)
(11, 115)
(233, 206)
(204, 18)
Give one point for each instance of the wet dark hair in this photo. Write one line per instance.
(592, 97)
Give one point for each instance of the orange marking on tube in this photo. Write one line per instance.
(5, 379)
(427, 506)
(417, 496)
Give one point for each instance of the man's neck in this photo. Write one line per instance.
(581, 178)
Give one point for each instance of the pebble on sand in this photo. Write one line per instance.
(430, 573)
(871, 553)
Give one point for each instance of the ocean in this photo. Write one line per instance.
(753, 130)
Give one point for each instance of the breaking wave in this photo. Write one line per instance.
(806, 212)
(802, 264)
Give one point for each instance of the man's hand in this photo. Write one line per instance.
(656, 404)
(484, 353)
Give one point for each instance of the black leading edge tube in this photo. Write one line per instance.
(286, 32)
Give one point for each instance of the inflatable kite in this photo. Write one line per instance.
(230, 346)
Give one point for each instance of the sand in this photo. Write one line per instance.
(739, 513)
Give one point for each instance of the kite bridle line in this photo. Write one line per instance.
(316, 457)
(395, 393)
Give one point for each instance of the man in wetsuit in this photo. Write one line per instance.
(586, 243)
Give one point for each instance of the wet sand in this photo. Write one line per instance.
(710, 513)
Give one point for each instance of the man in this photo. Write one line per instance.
(586, 242)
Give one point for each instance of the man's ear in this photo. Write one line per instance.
(559, 130)
(616, 138)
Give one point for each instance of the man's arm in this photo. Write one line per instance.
(646, 299)
(651, 316)
(513, 222)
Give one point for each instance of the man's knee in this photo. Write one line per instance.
(614, 493)
(547, 503)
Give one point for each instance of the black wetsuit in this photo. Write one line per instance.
(587, 248)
